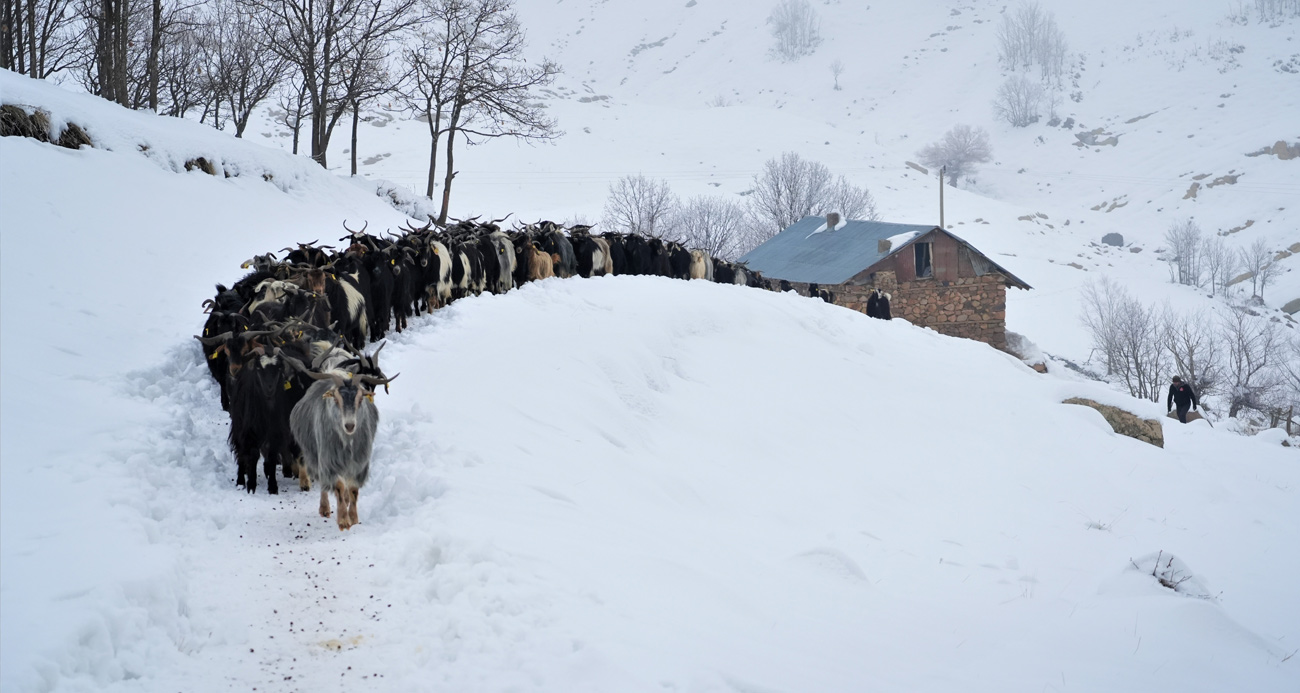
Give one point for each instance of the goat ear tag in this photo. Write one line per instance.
(288, 385)
(392, 262)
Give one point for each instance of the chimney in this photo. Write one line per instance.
(832, 220)
(882, 246)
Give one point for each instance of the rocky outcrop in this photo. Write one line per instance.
(1126, 423)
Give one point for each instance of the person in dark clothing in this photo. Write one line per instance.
(1181, 394)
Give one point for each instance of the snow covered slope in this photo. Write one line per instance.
(687, 92)
(613, 484)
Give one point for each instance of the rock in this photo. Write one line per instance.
(1191, 416)
(1114, 239)
(1126, 423)
(1135, 250)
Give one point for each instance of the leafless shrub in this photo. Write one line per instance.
(1254, 350)
(837, 69)
(1028, 37)
(1129, 336)
(1019, 101)
(712, 224)
(849, 200)
(1185, 252)
(1258, 260)
(795, 28)
(791, 188)
(959, 151)
(1271, 11)
(1220, 264)
(1195, 346)
(638, 204)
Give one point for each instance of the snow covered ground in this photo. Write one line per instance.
(641, 484)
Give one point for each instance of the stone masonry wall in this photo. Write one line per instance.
(968, 307)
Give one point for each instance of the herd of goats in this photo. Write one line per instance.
(285, 343)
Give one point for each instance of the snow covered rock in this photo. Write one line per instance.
(1126, 423)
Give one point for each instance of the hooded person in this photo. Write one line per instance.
(1182, 395)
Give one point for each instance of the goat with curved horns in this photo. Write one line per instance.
(334, 425)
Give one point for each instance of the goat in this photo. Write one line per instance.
(334, 425)
(700, 265)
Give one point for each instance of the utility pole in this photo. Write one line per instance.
(941, 171)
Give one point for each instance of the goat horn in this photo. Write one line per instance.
(372, 380)
(213, 341)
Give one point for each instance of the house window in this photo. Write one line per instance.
(923, 266)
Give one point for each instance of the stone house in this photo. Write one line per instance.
(935, 279)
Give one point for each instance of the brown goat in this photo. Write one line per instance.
(540, 264)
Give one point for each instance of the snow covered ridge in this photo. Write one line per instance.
(72, 119)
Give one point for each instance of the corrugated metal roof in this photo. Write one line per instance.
(801, 254)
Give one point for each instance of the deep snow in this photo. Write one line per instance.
(635, 484)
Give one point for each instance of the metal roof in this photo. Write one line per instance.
(802, 254)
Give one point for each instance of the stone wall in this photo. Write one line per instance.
(968, 307)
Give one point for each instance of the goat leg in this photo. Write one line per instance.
(304, 481)
(352, 505)
(324, 501)
(270, 460)
(247, 462)
(343, 494)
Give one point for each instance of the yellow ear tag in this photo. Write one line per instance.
(435, 251)
(392, 262)
(370, 396)
(288, 385)
(213, 356)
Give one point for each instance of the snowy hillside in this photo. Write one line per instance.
(631, 484)
(626, 483)
(688, 92)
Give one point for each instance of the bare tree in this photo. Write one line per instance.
(795, 28)
(637, 204)
(849, 200)
(787, 190)
(113, 31)
(1257, 259)
(1185, 252)
(242, 70)
(429, 86)
(494, 85)
(1018, 101)
(837, 69)
(959, 151)
(322, 40)
(1029, 36)
(38, 38)
(1220, 263)
(1195, 345)
(292, 103)
(713, 224)
(367, 79)
(790, 188)
(1253, 349)
(1129, 336)
(182, 79)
